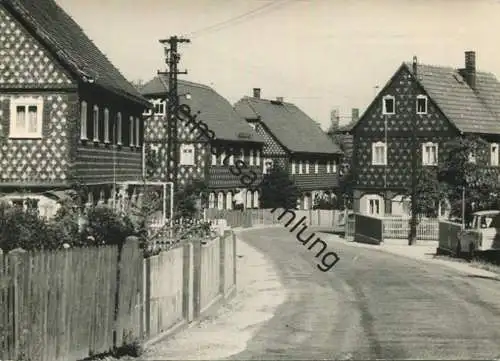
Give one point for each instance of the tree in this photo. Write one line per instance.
(190, 198)
(346, 185)
(429, 192)
(278, 190)
(465, 176)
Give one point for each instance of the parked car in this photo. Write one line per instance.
(482, 235)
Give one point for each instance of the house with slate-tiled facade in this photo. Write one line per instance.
(66, 113)
(434, 104)
(196, 160)
(296, 143)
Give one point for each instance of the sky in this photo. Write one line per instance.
(319, 54)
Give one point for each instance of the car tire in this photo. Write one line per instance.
(471, 251)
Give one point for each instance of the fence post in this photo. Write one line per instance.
(222, 264)
(196, 278)
(18, 261)
(234, 259)
(187, 280)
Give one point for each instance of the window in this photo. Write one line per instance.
(334, 166)
(251, 157)
(83, 120)
(494, 154)
(256, 199)
(429, 153)
(379, 153)
(137, 132)
(106, 125)
(159, 107)
(231, 156)
(472, 157)
(388, 105)
(421, 104)
(242, 154)
(211, 200)
(131, 129)
(316, 167)
(293, 167)
(300, 167)
(229, 200)
(248, 199)
(222, 157)
(187, 154)
(119, 128)
(95, 119)
(268, 165)
(257, 157)
(307, 167)
(328, 166)
(220, 200)
(214, 157)
(374, 205)
(27, 117)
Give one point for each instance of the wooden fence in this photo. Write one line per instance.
(399, 227)
(74, 303)
(368, 229)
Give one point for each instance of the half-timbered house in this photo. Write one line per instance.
(421, 108)
(200, 157)
(294, 142)
(67, 115)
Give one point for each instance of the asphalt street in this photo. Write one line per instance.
(373, 305)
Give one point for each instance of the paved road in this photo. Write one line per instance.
(373, 305)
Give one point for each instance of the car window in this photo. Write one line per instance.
(486, 221)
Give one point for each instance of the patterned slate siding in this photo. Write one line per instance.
(432, 126)
(312, 181)
(271, 146)
(23, 60)
(43, 161)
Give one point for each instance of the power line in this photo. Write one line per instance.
(239, 18)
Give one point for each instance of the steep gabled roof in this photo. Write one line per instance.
(294, 129)
(215, 110)
(470, 111)
(67, 41)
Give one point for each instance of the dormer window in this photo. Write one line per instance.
(388, 105)
(421, 104)
(159, 107)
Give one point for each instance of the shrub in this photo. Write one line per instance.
(105, 226)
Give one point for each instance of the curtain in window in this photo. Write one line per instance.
(21, 118)
(32, 119)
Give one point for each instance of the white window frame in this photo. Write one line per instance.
(95, 120)
(248, 199)
(376, 145)
(425, 155)
(161, 104)
(229, 200)
(220, 200)
(307, 166)
(242, 157)
(119, 125)
(137, 132)
(131, 130)
(421, 97)
(251, 155)
(83, 120)
(300, 167)
(257, 158)
(26, 102)
(222, 157)
(384, 105)
(106, 125)
(265, 166)
(293, 167)
(334, 166)
(328, 170)
(374, 198)
(494, 154)
(256, 199)
(214, 157)
(316, 167)
(211, 200)
(186, 159)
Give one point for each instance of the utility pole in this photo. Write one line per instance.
(172, 60)
(412, 237)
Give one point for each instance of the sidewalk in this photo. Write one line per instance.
(422, 251)
(227, 331)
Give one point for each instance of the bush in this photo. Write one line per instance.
(105, 226)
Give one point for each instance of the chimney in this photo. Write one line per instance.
(415, 67)
(334, 121)
(354, 114)
(470, 69)
(279, 99)
(256, 93)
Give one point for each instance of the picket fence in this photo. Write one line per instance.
(74, 303)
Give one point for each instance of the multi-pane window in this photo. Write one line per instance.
(373, 206)
(300, 167)
(159, 107)
(187, 154)
(316, 167)
(421, 104)
(118, 129)
(257, 157)
(106, 125)
(95, 120)
(388, 105)
(27, 115)
(379, 153)
(307, 167)
(494, 154)
(293, 167)
(83, 120)
(429, 153)
(251, 157)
